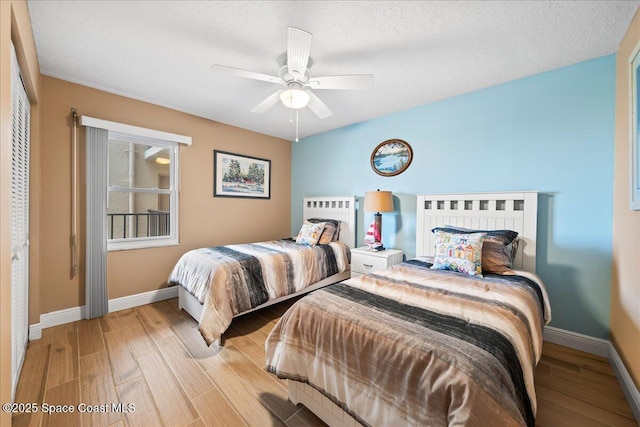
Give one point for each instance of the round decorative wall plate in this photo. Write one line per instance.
(391, 157)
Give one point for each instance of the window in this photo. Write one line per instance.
(142, 195)
(132, 187)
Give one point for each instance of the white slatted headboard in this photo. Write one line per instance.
(342, 208)
(517, 211)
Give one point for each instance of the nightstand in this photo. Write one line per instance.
(364, 261)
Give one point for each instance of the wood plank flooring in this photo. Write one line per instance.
(154, 358)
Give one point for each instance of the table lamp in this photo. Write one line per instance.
(377, 201)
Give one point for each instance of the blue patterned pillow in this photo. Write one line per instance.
(498, 249)
(310, 233)
(459, 252)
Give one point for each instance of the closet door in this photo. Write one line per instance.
(19, 222)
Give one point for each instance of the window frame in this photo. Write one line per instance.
(172, 238)
(143, 135)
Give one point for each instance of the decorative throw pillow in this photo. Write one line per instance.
(459, 252)
(331, 230)
(498, 249)
(310, 233)
(498, 257)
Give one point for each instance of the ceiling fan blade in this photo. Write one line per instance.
(355, 81)
(317, 106)
(298, 47)
(269, 102)
(248, 74)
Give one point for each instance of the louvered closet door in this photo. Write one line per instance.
(19, 222)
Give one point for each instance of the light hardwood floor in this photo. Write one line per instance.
(154, 358)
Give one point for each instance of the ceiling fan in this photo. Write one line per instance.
(294, 74)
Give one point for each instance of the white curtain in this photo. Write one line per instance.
(96, 299)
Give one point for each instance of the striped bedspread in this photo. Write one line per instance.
(413, 346)
(232, 279)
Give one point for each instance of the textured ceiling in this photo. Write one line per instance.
(418, 52)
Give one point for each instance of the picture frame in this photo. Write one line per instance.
(238, 175)
(634, 148)
(391, 157)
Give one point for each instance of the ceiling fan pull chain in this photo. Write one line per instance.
(297, 122)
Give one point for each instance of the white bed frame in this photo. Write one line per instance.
(342, 208)
(517, 211)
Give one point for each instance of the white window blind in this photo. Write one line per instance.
(96, 299)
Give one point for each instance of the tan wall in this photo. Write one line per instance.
(625, 286)
(204, 220)
(15, 26)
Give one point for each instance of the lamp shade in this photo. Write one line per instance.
(378, 201)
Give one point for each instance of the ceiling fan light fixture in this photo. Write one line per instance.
(294, 98)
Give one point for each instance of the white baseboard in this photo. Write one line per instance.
(55, 318)
(137, 300)
(35, 331)
(60, 317)
(602, 348)
(577, 341)
(626, 382)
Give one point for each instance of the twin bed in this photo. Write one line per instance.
(217, 284)
(412, 345)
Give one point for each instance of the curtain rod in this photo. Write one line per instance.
(74, 194)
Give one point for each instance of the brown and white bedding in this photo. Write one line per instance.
(232, 279)
(413, 346)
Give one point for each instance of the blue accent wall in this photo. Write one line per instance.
(552, 132)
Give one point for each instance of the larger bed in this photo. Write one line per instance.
(222, 282)
(410, 345)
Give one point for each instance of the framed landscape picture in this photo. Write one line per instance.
(391, 157)
(237, 175)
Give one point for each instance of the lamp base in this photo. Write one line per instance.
(373, 238)
(377, 219)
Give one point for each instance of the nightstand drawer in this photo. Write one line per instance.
(364, 261)
(367, 264)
